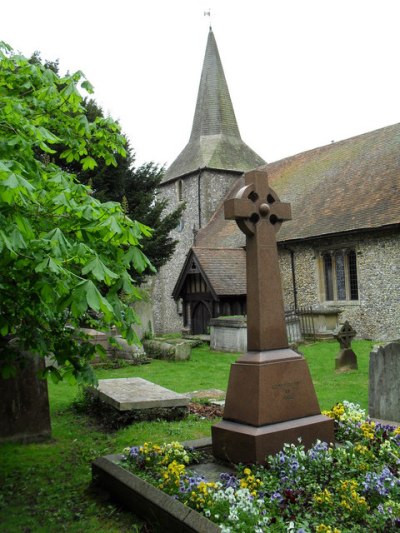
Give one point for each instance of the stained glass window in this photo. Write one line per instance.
(340, 275)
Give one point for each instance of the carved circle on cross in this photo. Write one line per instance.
(260, 209)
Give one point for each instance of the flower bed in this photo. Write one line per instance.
(352, 486)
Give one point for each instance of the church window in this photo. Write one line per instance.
(181, 225)
(340, 275)
(180, 190)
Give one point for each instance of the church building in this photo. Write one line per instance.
(341, 250)
(201, 176)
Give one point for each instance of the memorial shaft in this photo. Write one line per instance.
(259, 213)
(266, 328)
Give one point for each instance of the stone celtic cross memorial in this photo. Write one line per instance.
(271, 398)
(346, 358)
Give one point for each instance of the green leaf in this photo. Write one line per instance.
(24, 226)
(54, 266)
(95, 300)
(87, 86)
(49, 264)
(6, 241)
(14, 180)
(88, 163)
(48, 136)
(99, 270)
(47, 293)
(59, 243)
(17, 240)
(61, 199)
(11, 182)
(140, 261)
(46, 148)
(113, 225)
(54, 373)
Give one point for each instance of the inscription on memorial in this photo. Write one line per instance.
(288, 390)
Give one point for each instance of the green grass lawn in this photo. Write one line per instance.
(46, 487)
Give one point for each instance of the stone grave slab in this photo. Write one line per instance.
(129, 394)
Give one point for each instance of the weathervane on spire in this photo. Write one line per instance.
(208, 14)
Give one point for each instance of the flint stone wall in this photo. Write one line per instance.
(384, 379)
(376, 315)
(210, 187)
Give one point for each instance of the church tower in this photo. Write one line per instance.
(200, 176)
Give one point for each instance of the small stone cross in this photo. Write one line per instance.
(345, 335)
(259, 214)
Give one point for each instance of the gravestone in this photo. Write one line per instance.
(24, 405)
(228, 334)
(346, 358)
(169, 349)
(384, 380)
(270, 398)
(121, 349)
(137, 394)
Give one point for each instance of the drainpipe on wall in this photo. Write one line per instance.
(293, 278)
(199, 195)
(293, 268)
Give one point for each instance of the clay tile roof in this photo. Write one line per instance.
(224, 269)
(351, 185)
(215, 141)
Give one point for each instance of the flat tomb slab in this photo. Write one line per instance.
(128, 394)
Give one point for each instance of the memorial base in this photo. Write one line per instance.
(270, 401)
(347, 359)
(240, 443)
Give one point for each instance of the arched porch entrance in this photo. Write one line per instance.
(200, 318)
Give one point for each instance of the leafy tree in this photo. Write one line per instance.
(145, 205)
(136, 188)
(63, 253)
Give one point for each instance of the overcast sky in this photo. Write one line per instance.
(301, 73)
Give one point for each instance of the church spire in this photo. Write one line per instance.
(214, 112)
(215, 141)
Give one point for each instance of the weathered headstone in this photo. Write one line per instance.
(24, 405)
(271, 398)
(120, 350)
(346, 358)
(171, 349)
(384, 382)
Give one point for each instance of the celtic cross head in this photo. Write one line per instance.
(255, 203)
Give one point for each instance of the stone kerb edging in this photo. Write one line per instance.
(147, 501)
